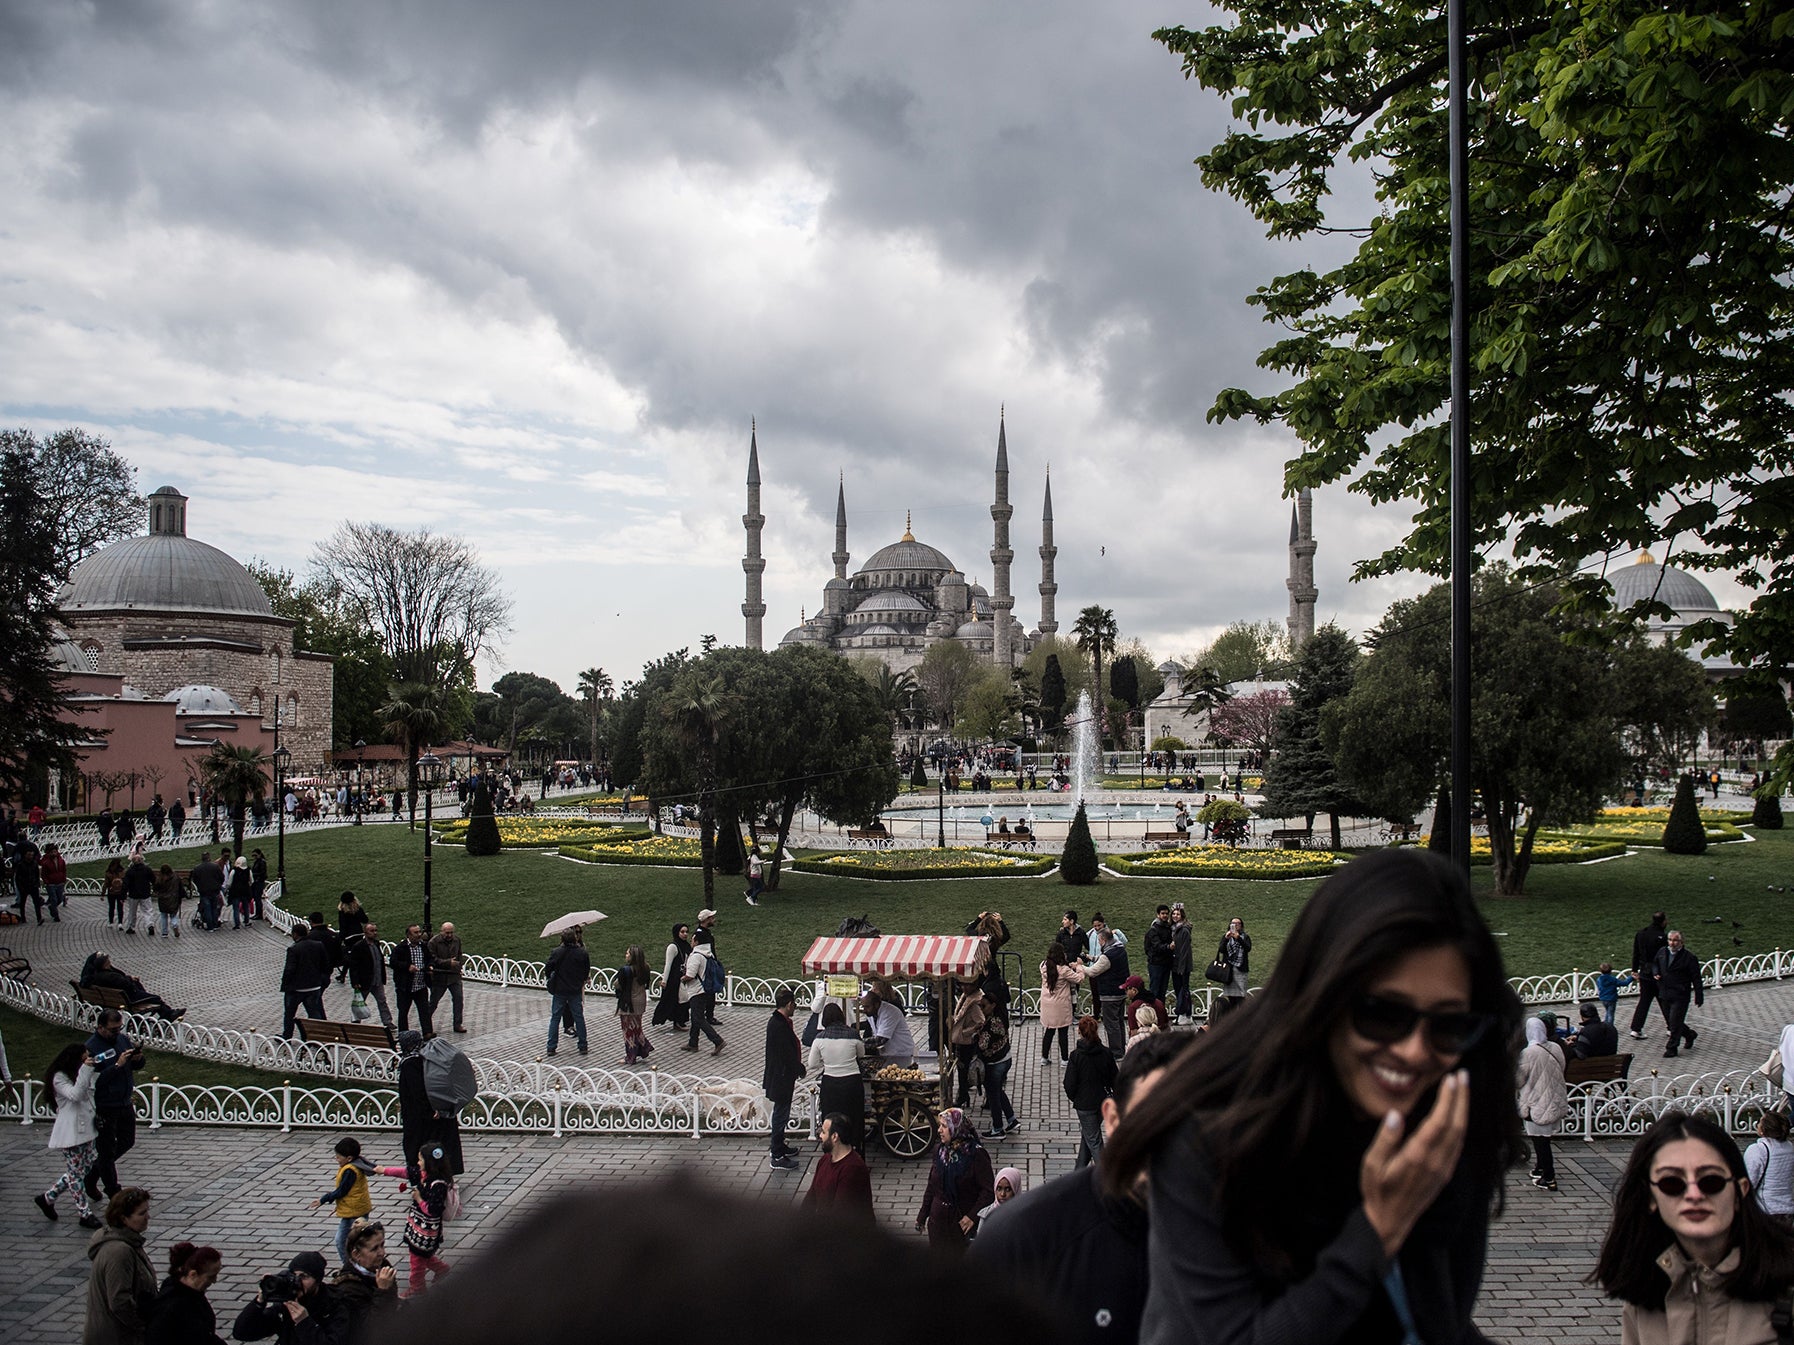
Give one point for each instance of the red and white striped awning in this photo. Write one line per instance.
(900, 955)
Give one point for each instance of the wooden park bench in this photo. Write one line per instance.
(101, 996)
(324, 1032)
(875, 838)
(1167, 838)
(1290, 838)
(14, 967)
(1012, 840)
(1598, 1069)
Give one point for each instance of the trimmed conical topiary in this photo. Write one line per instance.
(1684, 834)
(1440, 840)
(1767, 814)
(1077, 862)
(482, 826)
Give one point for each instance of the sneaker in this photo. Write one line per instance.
(89, 1221)
(1535, 1174)
(1636, 1036)
(996, 1134)
(752, 902)
(43, 1203)
(1544, 1185)
(782, 1164)
(1670, 1054)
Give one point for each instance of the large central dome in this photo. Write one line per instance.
(908, 554)
(166, 571)
(1666, 584)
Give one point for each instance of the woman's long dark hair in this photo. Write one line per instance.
(67, 1063)
(1055, 959)
(1637, 1237)
(1273, 1115)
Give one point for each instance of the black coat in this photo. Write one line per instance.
(181, 1316)
(364, 960)
(1078, 1251)
(567, 970)
(784, 1059)
(419, 1121)
(1089, 1075)
(1180, 948)
(1646, 944)
(400, 962)
(1159, 950)
(1679, 975)
(307, 966)
(1596, 1038)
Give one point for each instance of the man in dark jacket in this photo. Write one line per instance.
(1106, 975)
(367, 968)
(1082, 1251)
(1678, 979)
(1159, 953)
(118, 1059)
(784, 1067)
(1180, 961)
(312, 1318)
(207, 878)
(567, 970)
(411, 979)
(1646, 944)
(1593, 1037)
(140, 890)
(303, 978)
(1071, 937)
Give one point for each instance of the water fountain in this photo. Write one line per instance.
(1085, 749)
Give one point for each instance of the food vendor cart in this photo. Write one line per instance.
(902, 1102)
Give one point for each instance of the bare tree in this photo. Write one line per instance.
(87, 491)
(434, 607)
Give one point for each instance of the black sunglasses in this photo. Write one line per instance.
(1708, 1184)
(1451, 1032)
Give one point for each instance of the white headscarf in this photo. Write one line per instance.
(1536, 1033)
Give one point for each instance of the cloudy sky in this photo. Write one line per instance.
(526, 272)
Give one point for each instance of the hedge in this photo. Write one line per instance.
(1030, 867)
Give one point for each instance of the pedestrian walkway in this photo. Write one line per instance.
(248, 1192)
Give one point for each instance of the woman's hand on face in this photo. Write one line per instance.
(1399, 1178)
(385, 1278)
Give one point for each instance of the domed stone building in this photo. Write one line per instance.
(1689, 599)
(180, 621)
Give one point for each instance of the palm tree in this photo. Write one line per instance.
(698, 716)
(595, 690)
(415, 716)
(235, 776)
(897, 694)
(1206, 690)
(1096, 634)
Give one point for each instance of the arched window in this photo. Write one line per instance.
(90, 654)
(274, 666)
(255, 702)
(291, 719)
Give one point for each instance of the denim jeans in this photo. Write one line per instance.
(1002, 1111)
(781, 1118)
(312, 1001)
(574, 1006)
(169, 921)
(1607, 1008)
(1156, 978)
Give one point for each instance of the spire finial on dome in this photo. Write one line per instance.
(908, 536)
(1644, 558)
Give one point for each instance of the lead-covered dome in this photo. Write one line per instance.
(167, 571)
(1648, 580)
(202, 700)
(907, 554)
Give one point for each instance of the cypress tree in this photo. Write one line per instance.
(1440, 840)
(482, 826)
(1684, 834)
(1767, 812)
(1077, 862)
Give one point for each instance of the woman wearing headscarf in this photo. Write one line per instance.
(1010, 1184)
(1544, 1100)
(669, 1010)
(960, 1182)
(834, 1061)
(418, 1118)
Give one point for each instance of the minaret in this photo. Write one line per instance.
(1000, 555)
(1302, 591)
(753, 609)
(841, 556)
(1049, 621)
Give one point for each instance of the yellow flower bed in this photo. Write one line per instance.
(1219, 861)
(1551, 847)
(529, 831)
(635, 848)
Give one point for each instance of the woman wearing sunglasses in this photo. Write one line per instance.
(1324, 1166)
(1692, 1258)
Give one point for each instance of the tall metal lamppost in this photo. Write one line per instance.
(281, 757)
(360, 790)
(429, 768)
(940, 815)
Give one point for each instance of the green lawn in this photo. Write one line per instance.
(31, 1044)
(1575, 915)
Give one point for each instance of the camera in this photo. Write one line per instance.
(281, 1288)
(105, 1056)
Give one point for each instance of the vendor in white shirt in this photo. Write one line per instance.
(890, 1030)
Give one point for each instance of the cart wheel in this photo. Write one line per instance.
(907, 1128)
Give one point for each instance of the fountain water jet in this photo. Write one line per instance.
(1086, 761)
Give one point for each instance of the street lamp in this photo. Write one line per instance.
(941, 812)
(429, 767)
(360, 793)
(281, 757)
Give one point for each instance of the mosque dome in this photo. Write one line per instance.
(166, 571)
(1648, 580)
(906, 554)
(67, 656)
(873, 630)
(202, 700)
(976, 630)
(889, 600)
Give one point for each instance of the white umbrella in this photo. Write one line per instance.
(571, 920)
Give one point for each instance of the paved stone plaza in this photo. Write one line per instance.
(248, 1191)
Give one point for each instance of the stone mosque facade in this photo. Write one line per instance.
(909, 596)
(180, 621)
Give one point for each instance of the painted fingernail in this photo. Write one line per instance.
(1393, 1121)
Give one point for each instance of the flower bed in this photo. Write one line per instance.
(674, 852)
(905, 864)
(1644, 826)
(525, 832)
(1219, 861)
(1551, 847)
